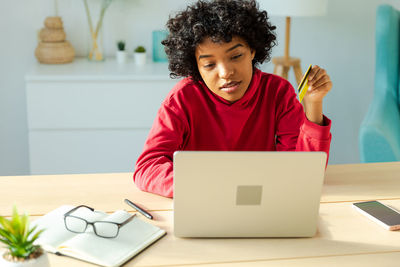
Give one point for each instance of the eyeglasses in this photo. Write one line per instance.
(104, 229)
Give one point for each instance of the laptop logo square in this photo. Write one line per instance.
(248, 194)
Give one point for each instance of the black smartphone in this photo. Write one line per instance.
(380, 213)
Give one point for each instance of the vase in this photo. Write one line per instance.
(53, 48)
(41, 261)
(96, 48)
(139, 58)
(158, 49)
(96, 52)
(121, 56)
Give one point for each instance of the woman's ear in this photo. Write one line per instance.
(253, 53)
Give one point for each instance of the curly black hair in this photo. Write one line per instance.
(220, 20)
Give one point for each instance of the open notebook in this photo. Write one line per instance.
(133, 237)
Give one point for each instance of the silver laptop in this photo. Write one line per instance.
(247, 194)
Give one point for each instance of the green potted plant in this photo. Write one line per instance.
(121, 52)
(18, 237)
(140, 55)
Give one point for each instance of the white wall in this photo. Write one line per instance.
(342, 42)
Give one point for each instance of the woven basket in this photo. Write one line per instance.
(55, 53)
(52, 35)
(53, 23)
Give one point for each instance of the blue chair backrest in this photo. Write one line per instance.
(387, 50)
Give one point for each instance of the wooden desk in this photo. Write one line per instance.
(344, 236)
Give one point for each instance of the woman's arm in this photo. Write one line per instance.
(297, 130)
(319, 84)
(154, 167)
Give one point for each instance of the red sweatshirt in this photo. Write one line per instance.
(267, 118)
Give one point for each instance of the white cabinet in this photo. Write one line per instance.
(88, 117)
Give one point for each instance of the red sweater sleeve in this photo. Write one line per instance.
(314, 137)
(154, 168)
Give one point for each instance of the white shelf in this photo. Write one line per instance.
(88, 117)
(81, 69)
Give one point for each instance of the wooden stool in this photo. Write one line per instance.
(283, 65)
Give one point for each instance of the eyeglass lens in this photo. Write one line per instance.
(106, 229)
(103, 229)
(76, 225)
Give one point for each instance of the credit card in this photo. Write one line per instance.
(303, 86)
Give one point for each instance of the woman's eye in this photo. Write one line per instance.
(208, 66)
(237, 56)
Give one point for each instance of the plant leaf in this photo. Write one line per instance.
(5, 234)
(31, 230)
(6, 224)
(13, 238)
(17, 235)
(8, 236)
(15, 222)
(25, 227)
(37, 235)
(5, 241)
(2, 223)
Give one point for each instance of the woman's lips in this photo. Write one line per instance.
(230, 87)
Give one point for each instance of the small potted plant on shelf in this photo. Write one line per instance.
(121, 52)
(140, 55)
(18, 237)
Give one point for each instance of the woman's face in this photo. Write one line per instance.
(226, 68)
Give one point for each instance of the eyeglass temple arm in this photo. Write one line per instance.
(77, 207)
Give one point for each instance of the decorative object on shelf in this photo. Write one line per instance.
(288, 9)
(18, 237)
(53, 47)
(140, 55)
(158, 49)
(121, 52)
(96, 33)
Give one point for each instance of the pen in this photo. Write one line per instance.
(139, 209)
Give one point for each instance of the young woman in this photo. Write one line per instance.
(224, 102)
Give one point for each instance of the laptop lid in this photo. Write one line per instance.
(247, 194)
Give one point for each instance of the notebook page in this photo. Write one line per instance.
(132, 238)
(55, 232)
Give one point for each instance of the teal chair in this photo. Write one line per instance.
(379, 136)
